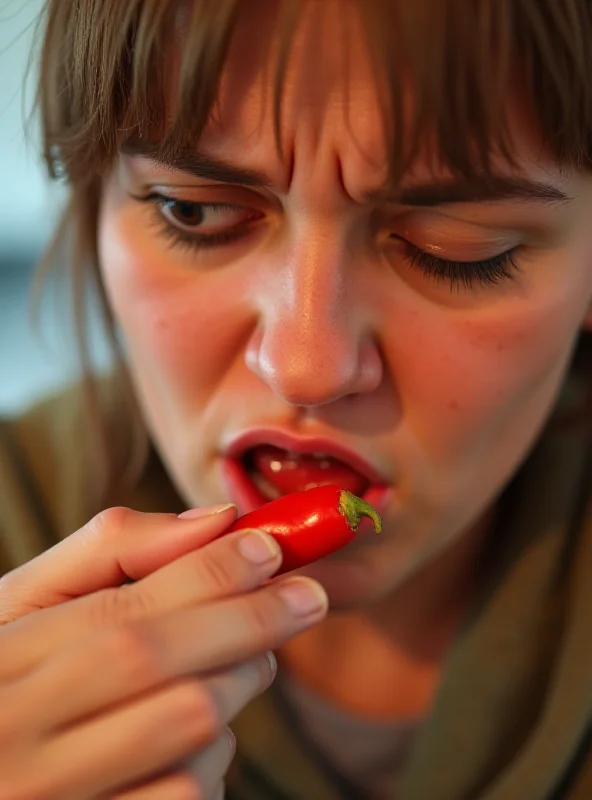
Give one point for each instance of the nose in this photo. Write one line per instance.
(312, 345)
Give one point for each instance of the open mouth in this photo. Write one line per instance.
(257, 472)
(276, 471)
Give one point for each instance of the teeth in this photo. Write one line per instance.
(293, 459)
(266, 488)
(293, 456)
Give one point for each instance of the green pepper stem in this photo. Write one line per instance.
(354, 508)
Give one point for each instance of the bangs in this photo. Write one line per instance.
(106, 76)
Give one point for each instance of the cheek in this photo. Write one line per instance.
(470, 378)
(181, 325)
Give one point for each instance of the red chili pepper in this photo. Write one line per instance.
(311, 524)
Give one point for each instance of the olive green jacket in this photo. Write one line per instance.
(513, 715)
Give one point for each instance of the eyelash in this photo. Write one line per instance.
(488, 272)
(465, 274)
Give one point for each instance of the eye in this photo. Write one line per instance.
(198, 226)
(206, 218)
(186, 213)
(463, 274)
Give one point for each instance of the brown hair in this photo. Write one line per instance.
(102, 78)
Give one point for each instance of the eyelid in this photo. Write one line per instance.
(192, 240)
(456, 226)
(212, 205)
(211, 193)
(457, 250)
(466, 242)
(160, 198)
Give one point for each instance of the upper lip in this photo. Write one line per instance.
(302, 444)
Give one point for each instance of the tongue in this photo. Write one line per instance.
(294, 472)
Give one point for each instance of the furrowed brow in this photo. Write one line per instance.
(198, 164)
(495, 189)
(436, 193)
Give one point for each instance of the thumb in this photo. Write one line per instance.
(116, 546)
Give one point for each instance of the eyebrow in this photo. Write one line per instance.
(494, 188)
(198, 164)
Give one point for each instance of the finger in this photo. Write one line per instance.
(211, 765)
(126, 746)
(219, 792)
(201, 777)
(218, 635)
(213, 637)
(117, 545)
(150, 734)
(175, 786)
(236, 563)
(135, 667)
(201, 639)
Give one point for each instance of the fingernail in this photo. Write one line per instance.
(231, 739)
(205, 511)
(258, 547)
(272, 664)
(304, 597)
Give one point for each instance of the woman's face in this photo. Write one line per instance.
(288, 301)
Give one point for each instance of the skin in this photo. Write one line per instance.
(178, 613)
(316, 322)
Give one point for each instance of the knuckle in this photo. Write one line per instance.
(262, 618)
(13, 603)
(120, 605)
(9, 582)
(135, 602)
(218, 566)
(108, 523)
(197, 712)
(129, 650)
(105, 608)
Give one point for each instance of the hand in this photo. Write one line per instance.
(125, 691)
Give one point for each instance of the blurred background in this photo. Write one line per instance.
(32, 363)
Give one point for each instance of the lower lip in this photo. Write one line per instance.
(247, 496)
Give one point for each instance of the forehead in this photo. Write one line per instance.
(330, 95)
(333, 98)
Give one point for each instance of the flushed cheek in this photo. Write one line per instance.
(473, 378)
